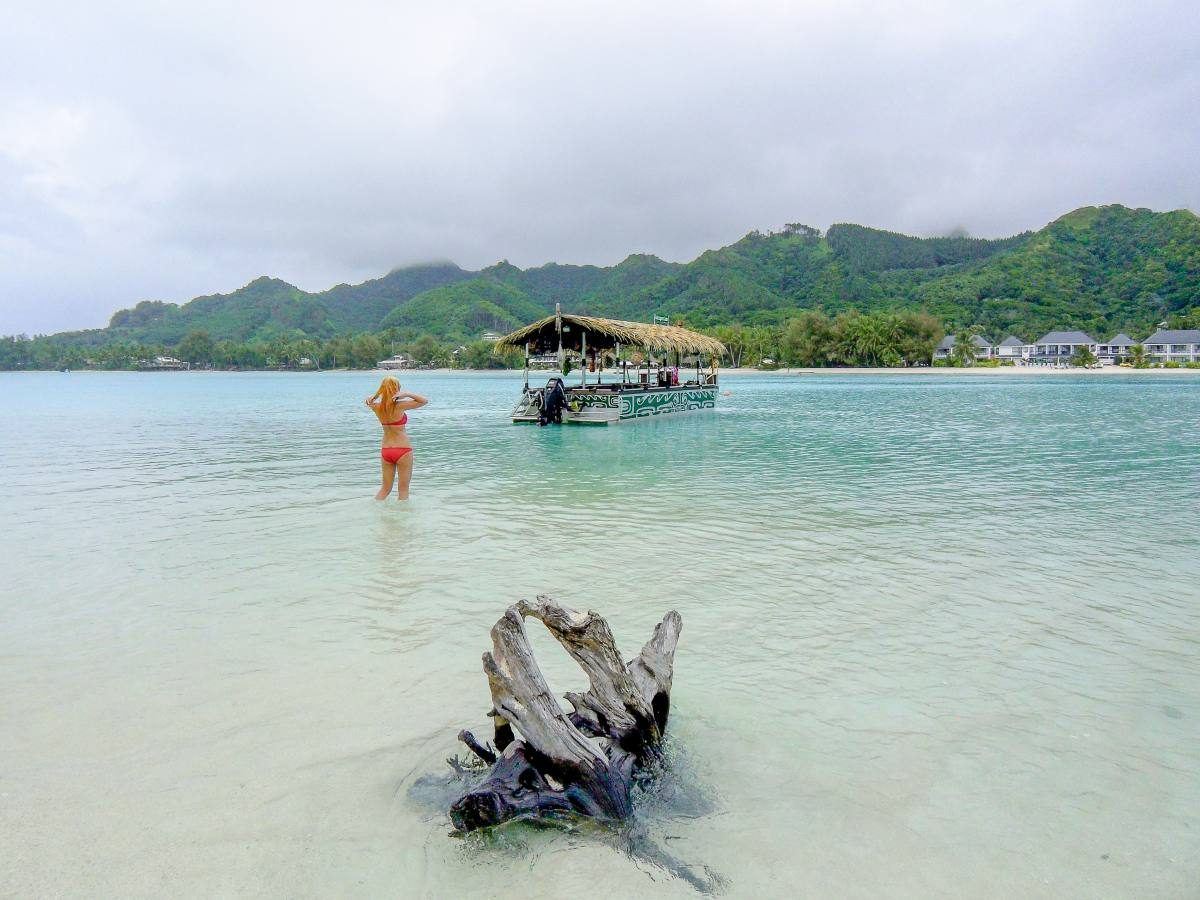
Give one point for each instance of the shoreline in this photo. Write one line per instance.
(723, 372)
(977, 371)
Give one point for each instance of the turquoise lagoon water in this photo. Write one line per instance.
(940, 634)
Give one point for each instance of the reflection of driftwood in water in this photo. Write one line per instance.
(667, 792)
(547, 763)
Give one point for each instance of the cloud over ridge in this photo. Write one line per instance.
(154, 152)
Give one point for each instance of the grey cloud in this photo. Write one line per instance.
(166, 152)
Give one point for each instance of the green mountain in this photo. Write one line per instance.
(764, 278)
(1100, 269)
(267, 308)
(756, 280)
(361, 307)
(592, 287)
(467, 308)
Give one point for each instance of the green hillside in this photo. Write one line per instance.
(1104, 269)
(861, 249)
(265, 305)
(756, 280)
(361, 307)
(585, 289)
(1100, 269)
(505, 297)
(768, 278)
(446, 301)
(268, 308)
(462, 310)
(550, 283)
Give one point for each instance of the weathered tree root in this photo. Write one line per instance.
(549, 763)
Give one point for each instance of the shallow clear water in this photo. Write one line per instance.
(940, 634)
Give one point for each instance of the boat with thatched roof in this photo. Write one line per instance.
(658, 383)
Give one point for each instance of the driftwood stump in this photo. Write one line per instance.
(546, 762)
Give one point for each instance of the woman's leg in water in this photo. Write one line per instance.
(404, 468)
(389, 476)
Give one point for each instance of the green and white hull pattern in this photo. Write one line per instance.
(586, 406)
(672, 400)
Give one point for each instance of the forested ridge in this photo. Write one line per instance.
(1098, 269)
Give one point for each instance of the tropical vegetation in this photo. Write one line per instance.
(850, 296)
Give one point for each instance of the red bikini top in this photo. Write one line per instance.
(403, 420)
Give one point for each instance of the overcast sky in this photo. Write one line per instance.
(152, 151)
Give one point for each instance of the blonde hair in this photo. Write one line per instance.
(384, 401)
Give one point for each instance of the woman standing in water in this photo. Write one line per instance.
(391, 406)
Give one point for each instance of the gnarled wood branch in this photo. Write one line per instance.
(581, 762)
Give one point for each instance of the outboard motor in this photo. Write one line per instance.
(554, 398)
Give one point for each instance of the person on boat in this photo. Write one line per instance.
(391, 406)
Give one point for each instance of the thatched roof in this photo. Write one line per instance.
(603, 334)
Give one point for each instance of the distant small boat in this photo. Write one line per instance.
(163, 363)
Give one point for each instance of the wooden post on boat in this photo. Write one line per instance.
(583, 361)
(547, 763)
(558, 327)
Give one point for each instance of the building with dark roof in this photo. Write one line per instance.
(1115, 349)
(1013, 348)
(983, 349)
(1178, 345)
(1056, 348)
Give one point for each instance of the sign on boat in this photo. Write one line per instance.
(660, 384)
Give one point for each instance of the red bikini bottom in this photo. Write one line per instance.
(394, 454)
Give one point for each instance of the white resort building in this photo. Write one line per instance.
(1057, 347)
(1174, 346)
(1116, 349)
(983, 350)
(1013, 348)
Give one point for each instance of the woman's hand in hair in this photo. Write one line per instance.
(409, 400)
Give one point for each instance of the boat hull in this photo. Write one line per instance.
(607, 407)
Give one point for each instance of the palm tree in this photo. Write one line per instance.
(1083, 357)
(736, 341)
(866, 339)
(1137, 356)
(963, 353)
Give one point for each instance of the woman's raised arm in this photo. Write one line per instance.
(409, 400)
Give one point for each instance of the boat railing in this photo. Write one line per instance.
(529, 404)
(639, 386)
